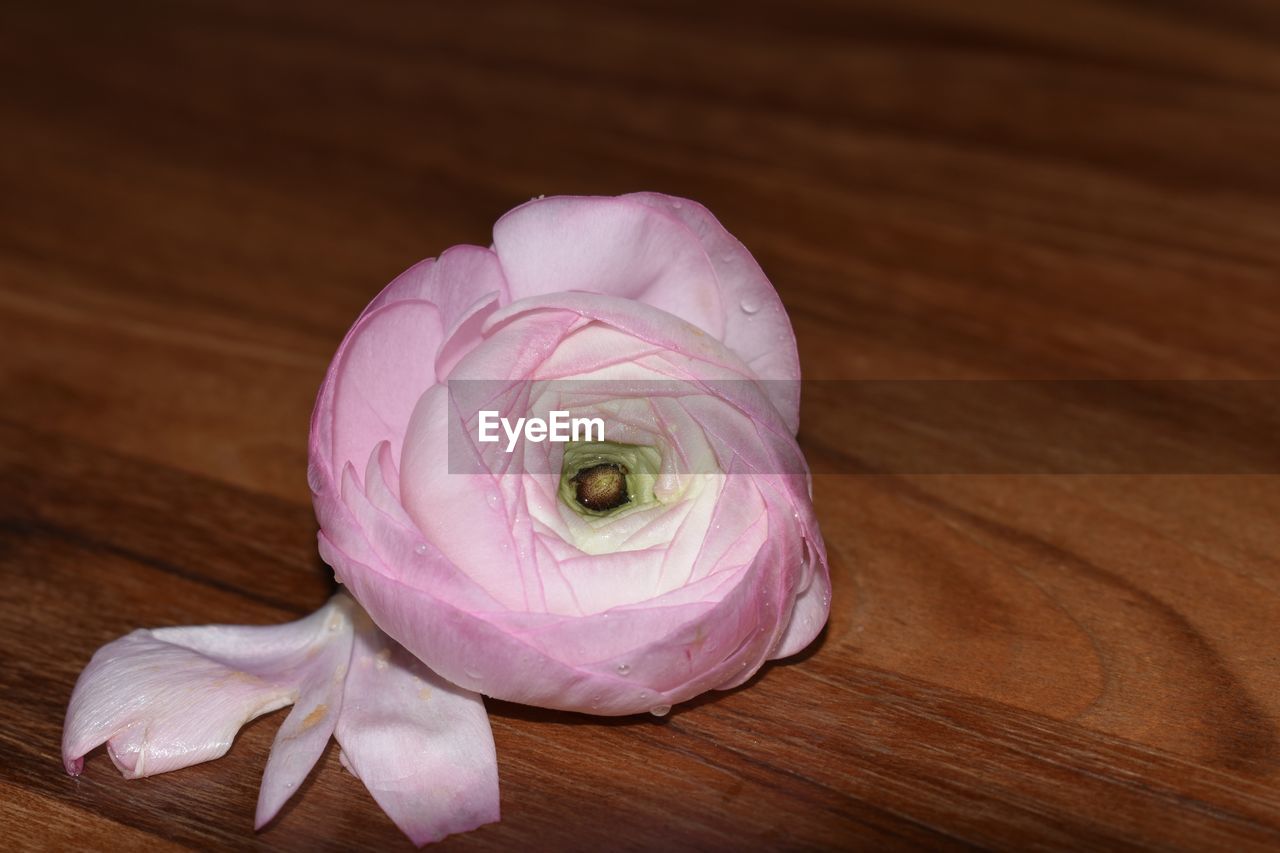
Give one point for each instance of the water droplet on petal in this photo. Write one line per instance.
(420, 548)
(624, 669)
(492, 500)
(676, 205)
(660, 710)
(727, 258)
(749, 305)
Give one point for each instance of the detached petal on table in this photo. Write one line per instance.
(172, 697)
(421, 745)
(168, 698)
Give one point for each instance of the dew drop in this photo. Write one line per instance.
(727, 258)
(660, 710)
(492, 500)
(624, 669)
(676, 205)
(749, 306)
(420, 548)
(472, 674)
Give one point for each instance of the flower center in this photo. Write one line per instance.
(606, 478)
(601, 487)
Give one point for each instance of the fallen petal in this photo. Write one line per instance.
(306, 731)
(172, 697)
(421, 745)
(168, 698)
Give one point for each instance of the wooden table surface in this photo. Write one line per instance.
(198, 197)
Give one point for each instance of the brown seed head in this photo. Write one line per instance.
(601, 487)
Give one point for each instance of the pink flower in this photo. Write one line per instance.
(609, 577)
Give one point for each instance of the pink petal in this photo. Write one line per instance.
(466, 277)
(415, 283)
(385, 364)
(169, 698)
(172, 697)
(389, 356)
(808, 615)
(461, 277)
(612, 246)
(305, 732)
(756, 324)
(649, 324)
(421, 746)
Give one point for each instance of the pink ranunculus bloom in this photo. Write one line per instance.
(617, 576)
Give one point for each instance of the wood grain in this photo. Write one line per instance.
(198, 197)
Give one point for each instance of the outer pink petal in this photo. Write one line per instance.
(394, 356)
(386, 363)
(421, 746)
(613, 246)
(416, 283)
(461, 277)
(808, 615)
(756, 324)
(469, 285)
(172, 697)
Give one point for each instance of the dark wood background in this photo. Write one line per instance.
(198, 197)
